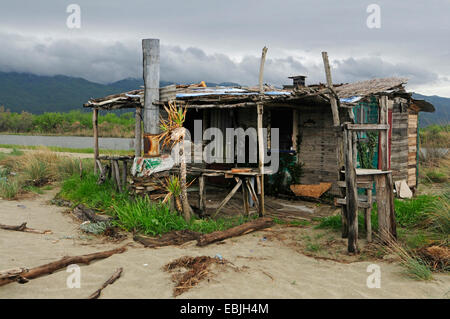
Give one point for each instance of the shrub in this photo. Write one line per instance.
(414, 266)
(147, 217)
(9, 188)
(438, 214)
(411, 212)
(436, 176)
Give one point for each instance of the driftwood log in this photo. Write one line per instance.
(86, 214)
(49, 268)
(246, 228)
(110, 281)
(176, 237)
(23, 227)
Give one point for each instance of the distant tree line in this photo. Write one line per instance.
(70, 123)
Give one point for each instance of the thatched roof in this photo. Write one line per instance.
(370, 87)
(197, 96)
(131, 99)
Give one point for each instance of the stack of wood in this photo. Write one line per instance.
(152, 186)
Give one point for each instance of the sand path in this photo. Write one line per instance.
(272, 270)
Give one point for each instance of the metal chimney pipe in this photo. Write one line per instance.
(150, 51)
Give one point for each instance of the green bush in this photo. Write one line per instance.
(57, 123)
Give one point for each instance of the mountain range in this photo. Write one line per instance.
(38, 94)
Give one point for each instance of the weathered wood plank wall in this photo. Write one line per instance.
(404, 143)
(399, 141)
(318, 145)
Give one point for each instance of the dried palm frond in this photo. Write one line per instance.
(172, 127)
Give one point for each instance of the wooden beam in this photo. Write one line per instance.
(253, 193)
(334, 108)
(95, 127)
(384, 136)
(368, 215)
(383, 207)
(393, 222)
(226, 199)
(124, 174)
(351, 194)
(295, 121)
(117, 175)
(365, 185)
(342, 191)
(343, 201)
(202, 194)
(245, 192)
(260, 111)
(367, 127)
(138, 133)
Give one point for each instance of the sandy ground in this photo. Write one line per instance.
(269, 269)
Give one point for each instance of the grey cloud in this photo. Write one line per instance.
(108, 62)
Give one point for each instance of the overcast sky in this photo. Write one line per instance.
(221, 41)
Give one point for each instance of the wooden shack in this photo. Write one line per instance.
(305, 121)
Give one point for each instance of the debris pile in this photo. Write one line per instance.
(197, 269)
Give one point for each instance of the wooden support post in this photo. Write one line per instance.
(334, 108)
(245, 197)
(344, 217)
(260, 112)
(100, 167)
(124, 174)
(112, 174)
(138, 133)
(351, 194)
(269, 129)
(233, 191)
(151, 71)
(202, 194)
(390, 188)
(355, 149)
(384, 136)
(95, 127)
(117, 175)
(383, 207)
(368, 215)
(295, 132)
(253, 194)
(261, 159)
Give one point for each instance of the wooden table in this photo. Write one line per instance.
(112, 171)
(242, 181)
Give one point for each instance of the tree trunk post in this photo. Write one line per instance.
(95, 128)
(334, 108)
(260, 111)
(351, 194)
(151, 68)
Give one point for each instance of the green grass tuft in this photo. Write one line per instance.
(9, 188)
(138, 214)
